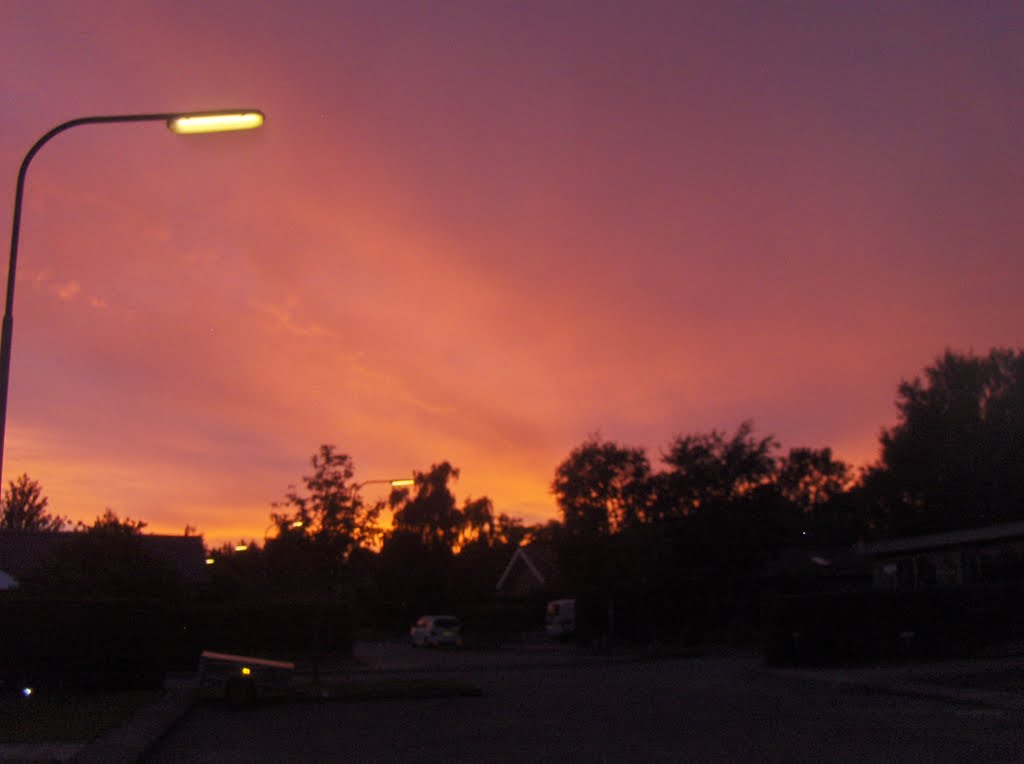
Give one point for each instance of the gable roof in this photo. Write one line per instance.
(7, 581)
(24, 552)
(964, 537)
(820, 562)
(537, 563)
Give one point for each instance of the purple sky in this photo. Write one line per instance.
(481, 231)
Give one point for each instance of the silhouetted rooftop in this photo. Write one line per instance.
(24, 552)
(964, 537)
(532, 569)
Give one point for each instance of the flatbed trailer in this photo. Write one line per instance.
(242, 678)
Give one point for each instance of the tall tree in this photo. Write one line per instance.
(810, 477)
(478, 522)
(417, 555)
(956, 456)
(319, 530)
(24, 508)
(331, 512)
(715, 469)
(602, 487)
(429, 511)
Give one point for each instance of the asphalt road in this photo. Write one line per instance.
(553, 707)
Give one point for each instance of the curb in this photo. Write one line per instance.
(132, 740)
(933, 690)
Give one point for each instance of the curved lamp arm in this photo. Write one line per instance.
(178, 122)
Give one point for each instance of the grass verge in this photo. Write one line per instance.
(65, 717)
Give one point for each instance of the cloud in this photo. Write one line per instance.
(490, 248)
(68, 291)
(281, 315)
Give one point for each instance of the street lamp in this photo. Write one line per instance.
(396, 483)
(296, 524)
(183, 123)
(293, 525)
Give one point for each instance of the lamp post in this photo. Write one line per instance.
(183, 123)
(293, 525)
(396, 483)
(296, 524)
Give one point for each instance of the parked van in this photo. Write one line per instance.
(560, 620)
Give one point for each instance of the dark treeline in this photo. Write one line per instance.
(686, 549)
(681, 547)
(675, 550)
(955, 459)
(327, 542)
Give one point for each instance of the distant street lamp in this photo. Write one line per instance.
(294, 525)
(184, 123)
(396, 483)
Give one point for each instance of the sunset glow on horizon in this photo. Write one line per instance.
(478, 232)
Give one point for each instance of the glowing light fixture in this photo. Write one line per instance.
(246, 671)
(210, 561)
(26, 692)
(242, 548)
(214, 122)
(297, 524)
(179, 122)
(393, 482)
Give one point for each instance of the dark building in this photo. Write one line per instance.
(25, 553)
(533, 572)
(990, 554)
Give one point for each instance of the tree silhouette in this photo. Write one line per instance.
(956, 456)
(712, 469)
(430, 512)
(439, 554)
(602, 487)
(320, 530)
(109, 523)
(809, 477)
(24, 508)
(478, 523)
(331, 512)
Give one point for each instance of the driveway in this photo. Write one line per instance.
(558, 708)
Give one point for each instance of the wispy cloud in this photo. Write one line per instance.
(68, 291)
(281, 316)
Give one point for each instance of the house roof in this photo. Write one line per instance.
(965, 537)
(24, 552)
(538, 563)
(832, 562)
(7, 581)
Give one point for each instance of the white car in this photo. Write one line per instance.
(436, 630)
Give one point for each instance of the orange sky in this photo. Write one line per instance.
(480, 231)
